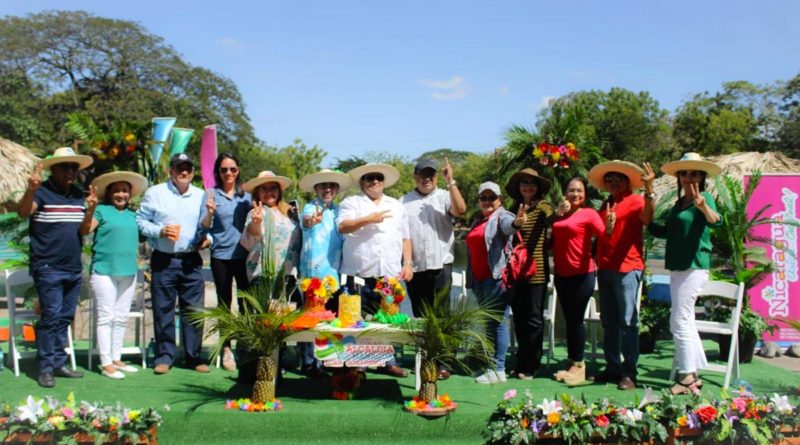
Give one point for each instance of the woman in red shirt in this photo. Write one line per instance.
(574, 266)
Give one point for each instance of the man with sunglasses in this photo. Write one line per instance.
(169, 217)
(56, 210)
(620, 264)
(376, 240)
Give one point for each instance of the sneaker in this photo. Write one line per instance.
(490, 377)
(126, 368)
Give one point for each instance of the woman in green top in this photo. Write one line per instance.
(114, 262)
(688, 257)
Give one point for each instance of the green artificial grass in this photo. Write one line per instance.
(196, 412)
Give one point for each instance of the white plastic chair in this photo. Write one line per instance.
(18, 278)
(137, 314)
(734, 293)
(550, 320)
(591, 317)
(459, 285)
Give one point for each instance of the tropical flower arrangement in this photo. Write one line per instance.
(392, 294)
(63, 420)
(252, 407)
(317, 292)
(556, 156)
(740, 418)
(346, 382)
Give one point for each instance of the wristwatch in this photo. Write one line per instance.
(648, 195)
(452, 183)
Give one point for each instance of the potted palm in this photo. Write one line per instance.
(263, 324)
(741, 255)
(445, 328)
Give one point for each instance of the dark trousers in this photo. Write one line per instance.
(528, 306)
(425, 284)
(574, 293)
(58, 296)
(224, 271)
(176, 276)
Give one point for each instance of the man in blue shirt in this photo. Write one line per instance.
(56, 209)
(321, 254)
(168, 216)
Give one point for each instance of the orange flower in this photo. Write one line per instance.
(524, 423)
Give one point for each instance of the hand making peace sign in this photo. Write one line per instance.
(522, 215)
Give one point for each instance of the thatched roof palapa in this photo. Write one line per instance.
(16, 165)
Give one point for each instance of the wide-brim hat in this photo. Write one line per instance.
(138, 182)
(390, 174)
(629, 169)
(67, 154)
(308, 182)
(512, 186)
(265, 177)
(691, 161)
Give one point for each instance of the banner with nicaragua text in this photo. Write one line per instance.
(778, 296)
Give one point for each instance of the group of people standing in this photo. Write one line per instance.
(368, 235)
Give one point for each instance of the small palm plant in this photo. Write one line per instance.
(444, 329)
(263, 324)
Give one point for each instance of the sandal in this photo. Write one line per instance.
(686, 388)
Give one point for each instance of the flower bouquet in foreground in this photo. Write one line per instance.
(657, 418)
(392, 294)
(556, 156)
(53, 421)
(316, 292)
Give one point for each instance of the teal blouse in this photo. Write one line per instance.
(116, 242)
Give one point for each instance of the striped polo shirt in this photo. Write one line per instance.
(54, 228)
(534, 235)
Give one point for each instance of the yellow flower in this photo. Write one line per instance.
(682, 421)
(129, 137)
(56, 421)
(553, 418)
(537, 153)
(556, 156)
(134, 414)
(304, 284)
(113, 420)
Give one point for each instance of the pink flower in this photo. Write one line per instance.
(510, 394)
(740, 404)
(68, 413)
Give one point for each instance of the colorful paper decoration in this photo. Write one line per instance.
(208, 154)
(179, 140)
(161, 129)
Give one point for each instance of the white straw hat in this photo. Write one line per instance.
(691, 161)
(138, 182)
(66, 154)
(390, 174)
(308, 182)
(632, 171)
(265, 177)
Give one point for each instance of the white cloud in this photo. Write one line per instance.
(450, 89)
(545, 101)
(504, 90)
(229, 42)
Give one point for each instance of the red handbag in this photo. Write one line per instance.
(521, 265)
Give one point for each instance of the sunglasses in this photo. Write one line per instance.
(614, 178)
(690, 173)
(68, 166)
(327, 185)
(528, 181)
(487, 198)
(224, 170)
(372, 177)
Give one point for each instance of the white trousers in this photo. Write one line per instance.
(112, 296)
(683, 288)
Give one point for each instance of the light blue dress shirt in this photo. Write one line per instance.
(321, 254)
(163, 204)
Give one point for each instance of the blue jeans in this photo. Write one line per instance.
(58, 296)
(490, 292)
(618, 294)
(179, 277)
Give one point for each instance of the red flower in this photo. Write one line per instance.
(706, 413)
(602, 421)
(315, 284)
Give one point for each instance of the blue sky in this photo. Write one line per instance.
(412, 76)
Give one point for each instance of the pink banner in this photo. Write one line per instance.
(778, 296)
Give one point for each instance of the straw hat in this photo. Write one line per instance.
(66, 154)
(629, 169)
(265, 177)
(691, 161)
(390, 174)
(512, 187)
(138, 182)
(308, 182)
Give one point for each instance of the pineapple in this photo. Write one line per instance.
(429, 373)
(264, 388)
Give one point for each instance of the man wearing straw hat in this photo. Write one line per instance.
(376, 240)
(56, 210)
(321, 254)
(168, 216)
(620, 265)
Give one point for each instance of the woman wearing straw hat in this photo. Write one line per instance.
(688, 258)
(528, 295)
(225, 212)
(620, 265)
(56, 209)
(271, 215)
(114, 262)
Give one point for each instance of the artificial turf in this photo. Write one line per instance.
(196, 413)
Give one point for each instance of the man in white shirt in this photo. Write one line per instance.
(376, 241)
